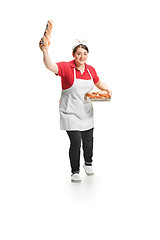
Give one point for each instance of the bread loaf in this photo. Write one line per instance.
(47, 35)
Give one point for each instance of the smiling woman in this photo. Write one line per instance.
(76, 111)
(80, 53)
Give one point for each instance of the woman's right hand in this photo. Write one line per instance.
(43, 46)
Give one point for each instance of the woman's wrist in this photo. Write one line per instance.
(45, 51)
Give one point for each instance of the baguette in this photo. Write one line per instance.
(45, 40)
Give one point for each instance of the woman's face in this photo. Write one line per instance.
(80, 56)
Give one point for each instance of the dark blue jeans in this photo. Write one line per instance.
(75, 144)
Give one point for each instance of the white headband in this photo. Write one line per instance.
(78, 42)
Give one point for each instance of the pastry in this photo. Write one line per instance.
(101, 95)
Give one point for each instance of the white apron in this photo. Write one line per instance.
(76, 112)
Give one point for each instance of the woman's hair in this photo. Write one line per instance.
(82, 46)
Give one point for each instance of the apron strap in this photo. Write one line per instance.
(89, 73)
(74, 73)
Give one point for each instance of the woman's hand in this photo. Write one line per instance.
(103, 87)
(43, 46)
(109, 92)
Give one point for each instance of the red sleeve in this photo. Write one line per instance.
(61, 68)
(65, 74)
(94, 74)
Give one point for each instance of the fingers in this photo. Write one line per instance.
(42, 45)
(110, 93)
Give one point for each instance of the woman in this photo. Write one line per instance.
(76, 111)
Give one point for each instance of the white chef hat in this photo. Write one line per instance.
(78, 42)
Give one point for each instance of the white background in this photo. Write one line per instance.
(121, 201)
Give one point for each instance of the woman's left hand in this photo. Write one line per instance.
(103, 87)
(107, 91)
(110, 92)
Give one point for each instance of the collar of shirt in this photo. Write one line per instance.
(72, 64)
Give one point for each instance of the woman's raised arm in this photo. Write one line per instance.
(48, 63)
(46, 58)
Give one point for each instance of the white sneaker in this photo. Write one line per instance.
(88, 170)
(75, 178)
